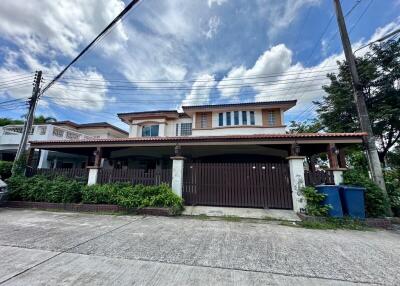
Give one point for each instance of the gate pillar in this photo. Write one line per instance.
(177, 175)
(297, 182)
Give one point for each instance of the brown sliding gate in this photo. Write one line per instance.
(265, 185)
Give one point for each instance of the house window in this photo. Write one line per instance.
(236, 117)
(150, 130)
(203, 120)
(177, 129)
(252, 119)
(186, 129)
(244, 117)
(228, 118)
(271, 118)
(220, 119)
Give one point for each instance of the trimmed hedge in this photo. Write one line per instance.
(376, 202)
(5, 169)
(62, 190)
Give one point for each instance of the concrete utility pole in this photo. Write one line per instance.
(369, 140)
(30, 116)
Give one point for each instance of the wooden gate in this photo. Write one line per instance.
(261, 185)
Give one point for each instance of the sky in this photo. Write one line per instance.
(165, 54)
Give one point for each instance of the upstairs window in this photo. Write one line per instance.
(252, 118)
(244, 117)
(220, 119)
(177, 129)
(186, 129)
(228, 118)
(150, 130)
(236, 117)
(203, 120)
(271, 118)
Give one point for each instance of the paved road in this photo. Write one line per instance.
(54, 248)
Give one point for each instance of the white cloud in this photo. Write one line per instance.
(90, 95)
(213, 25)
(63, 26)
(217, 2)
(201, 91)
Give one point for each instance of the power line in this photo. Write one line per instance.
(98, 37)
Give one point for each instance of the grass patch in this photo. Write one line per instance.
(231, 218)
(202, 217)
(335, 223)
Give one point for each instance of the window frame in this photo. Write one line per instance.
(221, 119)
(236, 118)
(252, 118)
(244, 117)
(228, 118)
(271, 118)
(203, 120)
(186, 131)
(144, 127)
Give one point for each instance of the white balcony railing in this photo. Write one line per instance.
(11, 134)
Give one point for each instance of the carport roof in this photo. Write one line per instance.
(276, 138)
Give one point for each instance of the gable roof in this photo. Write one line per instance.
(285, 103)
(90, 125)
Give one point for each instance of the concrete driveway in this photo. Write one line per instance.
(54, 248)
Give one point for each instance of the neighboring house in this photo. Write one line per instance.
(10, 137)
(224, 154)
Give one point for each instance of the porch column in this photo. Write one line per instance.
(43, 164)
(177, 174)
(332, 156)
(297, 182)
(337, 175)
(94, 170)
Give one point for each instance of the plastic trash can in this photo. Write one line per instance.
(332, 198)
(353, 201)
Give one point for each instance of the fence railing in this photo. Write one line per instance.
(74, 173)
(318, 178)
(135, 176)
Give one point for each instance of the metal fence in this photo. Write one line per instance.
(318, 178)
(135, 176)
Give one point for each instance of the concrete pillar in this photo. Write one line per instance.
(92, 178)
(177, 174)
(297, 182)
(338, 175)
(161, 130)
(43, 163)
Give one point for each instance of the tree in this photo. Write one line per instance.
(42, 120)
(379, 72)
(38, 120)
(7, 121)
(305, 127)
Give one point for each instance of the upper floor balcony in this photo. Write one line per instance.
(11, 134)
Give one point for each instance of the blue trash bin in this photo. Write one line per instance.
(353, 201)
(332, 198)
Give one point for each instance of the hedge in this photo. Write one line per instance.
(5, 169)
(39, 188)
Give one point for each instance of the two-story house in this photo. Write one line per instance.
(223, 154)
(10, 137)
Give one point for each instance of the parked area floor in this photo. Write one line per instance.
(55, 248)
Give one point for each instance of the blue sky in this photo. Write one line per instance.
(168, 53)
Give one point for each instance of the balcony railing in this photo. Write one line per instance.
(40, 132)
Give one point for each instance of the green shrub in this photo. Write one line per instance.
(63, 190)
(376, 203)
(43, 189)
(314, 200)
(5, 169)
(392, 179)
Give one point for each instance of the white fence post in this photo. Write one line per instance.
(92, 178)
(177, 175)
(297, 182)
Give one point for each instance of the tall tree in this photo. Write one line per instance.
(380, 79)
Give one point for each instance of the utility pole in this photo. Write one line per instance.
(369, 140)
(30, 116)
